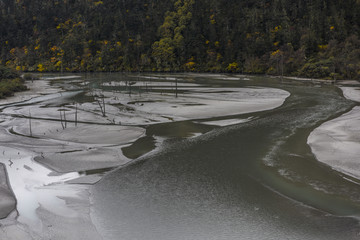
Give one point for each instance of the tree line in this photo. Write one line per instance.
(309, 38)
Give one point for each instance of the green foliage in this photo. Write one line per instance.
(232, 67)
(302, 38)
(10, 82)
(7, 73)
(9, 86)
(254, 65)
(167, 52)
(316, 69)
(164, 54)
(28, 76)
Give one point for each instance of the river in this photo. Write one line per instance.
(255, 178)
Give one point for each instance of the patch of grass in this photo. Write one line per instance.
(9, 86)
(7, 73)
(10, 82)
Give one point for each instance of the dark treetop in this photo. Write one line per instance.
(310, 38)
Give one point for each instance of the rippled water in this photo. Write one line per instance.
(253, 180)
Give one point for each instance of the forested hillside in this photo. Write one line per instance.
(310, 38)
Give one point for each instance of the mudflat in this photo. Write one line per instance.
(7, 198)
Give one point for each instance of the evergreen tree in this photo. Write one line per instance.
(316, 38)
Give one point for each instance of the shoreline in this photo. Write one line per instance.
(6, 191)
(8, 200)
(61, 149)
(336, 142)
(41, 86)
(55, 147)
(35, 88)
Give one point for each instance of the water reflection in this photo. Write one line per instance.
(254, 180)
(30, 183)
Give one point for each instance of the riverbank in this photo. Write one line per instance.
(253, 180)
(78, 152)
(70, 156)
(337, 142)
(35, 88)
(7, 198)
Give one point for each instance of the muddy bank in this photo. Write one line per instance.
(7, 198)
(337, 142)
(35, 88)
(55, 160)
(229, 183)
(73, 223)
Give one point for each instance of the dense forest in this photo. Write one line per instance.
(309, 38)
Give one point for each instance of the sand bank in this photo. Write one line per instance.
(51, 198)
(7, 199)
(337, 142)
(36, 88)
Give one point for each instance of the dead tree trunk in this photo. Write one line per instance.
(65, 118)
(102, 105)
(176, 88)
(76, 112)
(30, 124)
(61, 120)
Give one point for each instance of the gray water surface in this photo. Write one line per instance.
(188, 179)
(254, 180)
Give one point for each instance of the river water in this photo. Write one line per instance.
(190, 179)
(253, 180)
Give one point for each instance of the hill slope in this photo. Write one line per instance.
(311, 38)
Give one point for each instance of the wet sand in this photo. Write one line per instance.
(35, 88)
(7, 198)
(337, 142)
(68, 159)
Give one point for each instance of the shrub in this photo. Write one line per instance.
(6, 73)
(28, 76)
(9, 86)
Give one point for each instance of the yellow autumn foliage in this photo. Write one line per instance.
(41, 68)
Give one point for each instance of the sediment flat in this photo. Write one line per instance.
(337, 142)
(63, 153)
(7, 198)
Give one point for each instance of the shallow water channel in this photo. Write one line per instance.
(222, 171)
